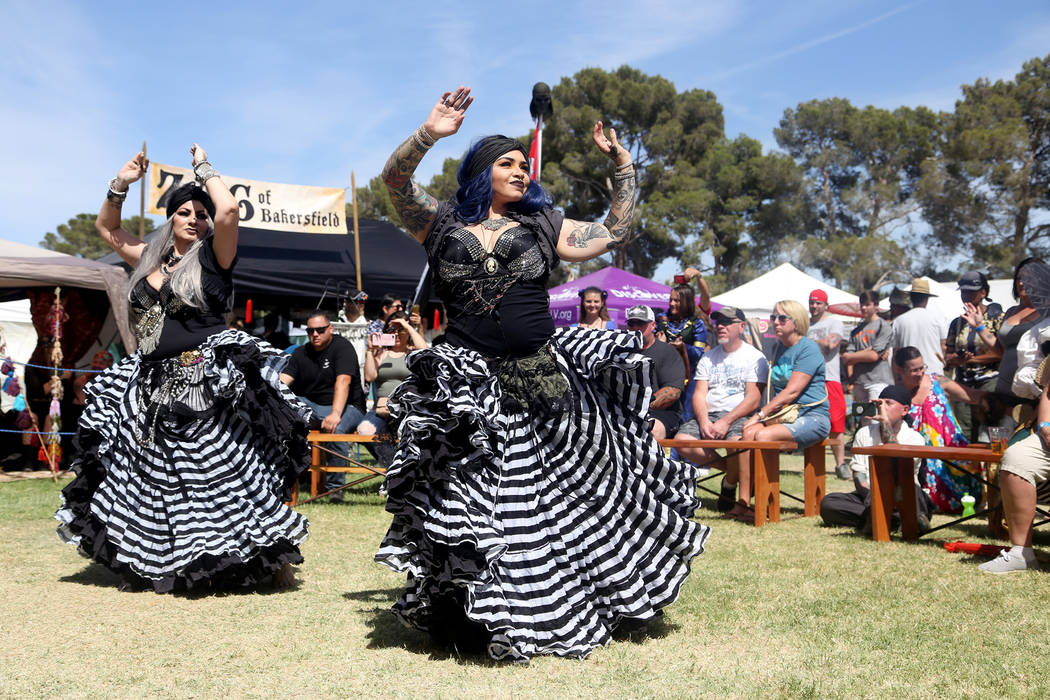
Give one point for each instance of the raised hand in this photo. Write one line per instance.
(971, 314)
(133, 169)
(447, 115)
(609, 145)
(198, 153)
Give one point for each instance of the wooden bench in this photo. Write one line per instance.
(765, 472)
(318, 466)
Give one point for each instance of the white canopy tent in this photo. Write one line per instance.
(757, 297)
(17, 341)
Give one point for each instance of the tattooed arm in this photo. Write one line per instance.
(415, 207)
(583, 240)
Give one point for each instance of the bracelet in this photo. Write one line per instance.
(761, 416)
(115, 196)
(204, 172)
(422, 137)
(980, 328)
(625, 166)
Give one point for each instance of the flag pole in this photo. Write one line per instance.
(142, 200)
(357, 236)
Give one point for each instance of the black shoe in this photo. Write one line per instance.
(337, 497)
(726, 499)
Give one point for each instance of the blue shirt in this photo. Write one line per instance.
(803, 356)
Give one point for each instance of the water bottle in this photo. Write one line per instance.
(967, 505)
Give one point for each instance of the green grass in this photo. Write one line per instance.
(790, 610)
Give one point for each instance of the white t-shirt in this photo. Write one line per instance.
(923, 329)
(357, 333)
(870, 435)
(727, 375)
(829, 325)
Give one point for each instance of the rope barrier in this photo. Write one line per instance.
(60, 369)
(31, 432)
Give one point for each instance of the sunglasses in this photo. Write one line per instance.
(318, 330)
(783, 318)
(725, 324)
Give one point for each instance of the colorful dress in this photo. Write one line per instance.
(943, 483)
(692, 332)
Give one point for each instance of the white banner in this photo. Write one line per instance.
(266, 205)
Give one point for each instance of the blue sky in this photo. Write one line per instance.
(305, 92)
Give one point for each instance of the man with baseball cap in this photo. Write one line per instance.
(827, 332)
(729, 380)
(667, 371)
(971, 349)
(853, 509)
(922, 328)
(353, 325)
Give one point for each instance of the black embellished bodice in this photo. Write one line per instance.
(165, 326)
(497, 302)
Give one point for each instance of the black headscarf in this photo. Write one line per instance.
(489, 149)
(184, 193)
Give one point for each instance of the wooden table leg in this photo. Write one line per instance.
(906, 500)
(814, 479)
(880, 481)
(766, 479)
(315, 470)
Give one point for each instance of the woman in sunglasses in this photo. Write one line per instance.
(524, 463)
(796, 378)
(187, 446)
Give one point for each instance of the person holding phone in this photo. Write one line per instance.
(386, 366)
(685, 330)
(524, 463)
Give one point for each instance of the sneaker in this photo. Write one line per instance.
(843, 472)
(1007, 563)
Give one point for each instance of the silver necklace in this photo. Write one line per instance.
(494, 224)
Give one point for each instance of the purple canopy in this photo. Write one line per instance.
(625, 290)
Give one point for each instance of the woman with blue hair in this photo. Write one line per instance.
(532, 510)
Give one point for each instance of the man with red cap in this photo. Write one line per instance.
(827, 332)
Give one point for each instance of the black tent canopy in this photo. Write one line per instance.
(275, 265)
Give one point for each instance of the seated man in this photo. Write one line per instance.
(852, 509)
(668, 373)
(729, 380)
(1025, 465)
(324, 373)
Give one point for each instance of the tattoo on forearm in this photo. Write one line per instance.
(620, 221)
(583, 232)
(888, 436)
(414, 205)
(664, 397)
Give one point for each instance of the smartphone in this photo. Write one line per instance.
(679, 279)
(415, 308)
(865, 408)
(384, 340)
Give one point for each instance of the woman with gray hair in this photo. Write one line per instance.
(187, 447)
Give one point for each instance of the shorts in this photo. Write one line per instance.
(867, 392)
(809, 429)
(736, 428)
(670, 419)
(837, 407)
(1027, 459)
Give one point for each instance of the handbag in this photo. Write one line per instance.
(788, 413)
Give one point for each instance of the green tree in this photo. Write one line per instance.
(78, 236)
(987, 194)
(667, 132)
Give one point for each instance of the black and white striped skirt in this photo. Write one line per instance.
(189, 493)
(535, 536)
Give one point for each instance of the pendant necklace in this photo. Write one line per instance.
(170, 259)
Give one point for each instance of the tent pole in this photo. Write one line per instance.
(142, 201)
(357, 238)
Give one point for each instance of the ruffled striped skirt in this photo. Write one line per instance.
(188, 492)
(528, 535)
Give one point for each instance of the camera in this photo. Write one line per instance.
(865, 408)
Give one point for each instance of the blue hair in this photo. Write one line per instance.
(474, 196)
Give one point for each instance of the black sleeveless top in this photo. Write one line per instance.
(497, 303)
(183, 327)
